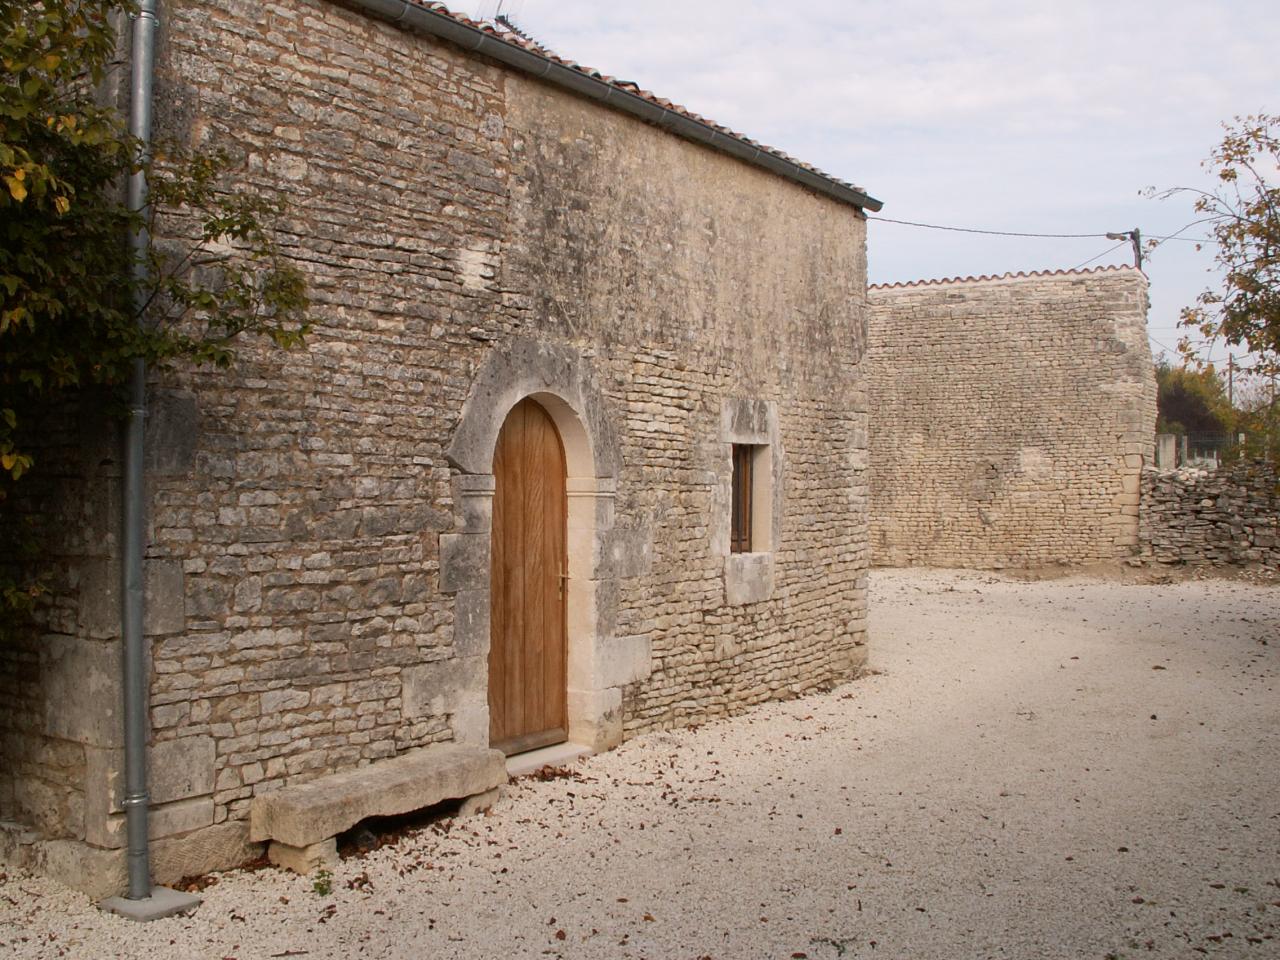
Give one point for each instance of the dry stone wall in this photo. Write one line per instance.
(1011, 419)
(317, 551)
(1228, 516)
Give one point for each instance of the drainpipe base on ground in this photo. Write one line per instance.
(162, 903)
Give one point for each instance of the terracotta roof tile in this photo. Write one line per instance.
(1003, 276)
(499, 32)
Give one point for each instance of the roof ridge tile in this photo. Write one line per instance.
(1020, 275)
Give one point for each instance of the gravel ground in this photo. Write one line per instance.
(1068, 768)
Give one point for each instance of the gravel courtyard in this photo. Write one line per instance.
(1073, 768)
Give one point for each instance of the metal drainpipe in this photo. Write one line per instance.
(136, 705)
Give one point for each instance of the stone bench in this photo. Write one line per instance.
(303, 821)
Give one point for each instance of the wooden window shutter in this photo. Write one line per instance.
(740, 533)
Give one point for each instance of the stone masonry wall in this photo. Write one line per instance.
(1226, 516)
(43, 747)
(307, 515)
(716, 282)
(1011, 419)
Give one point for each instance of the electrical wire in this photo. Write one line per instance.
(1036, 236)
(1122, 243)
(995, 233)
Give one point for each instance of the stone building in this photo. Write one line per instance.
(639, 331)
(1012, 418)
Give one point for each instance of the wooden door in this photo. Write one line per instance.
(528, 649)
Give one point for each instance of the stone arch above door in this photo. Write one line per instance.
(524, 367)
(600, 663)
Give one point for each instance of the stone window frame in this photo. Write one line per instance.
(749, 577)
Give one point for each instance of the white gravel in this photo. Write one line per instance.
(1071, 768)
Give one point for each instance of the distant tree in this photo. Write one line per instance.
(1258, 415)
(1191, 400)
(69, 290)
(1243, 211)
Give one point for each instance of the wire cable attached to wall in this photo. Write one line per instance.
(994, 233)
(1035, 236)
(1122, 243)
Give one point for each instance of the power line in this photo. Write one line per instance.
(1122, 243)
(1037, 236)
(995, 233)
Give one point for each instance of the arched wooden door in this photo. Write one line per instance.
(528, 651)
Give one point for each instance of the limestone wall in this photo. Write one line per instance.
(319, 518)
(1011, 418)
(1226, 516)
(710, 283)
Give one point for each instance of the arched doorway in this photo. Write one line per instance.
(528, 650)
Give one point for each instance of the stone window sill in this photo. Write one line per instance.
(748, 578)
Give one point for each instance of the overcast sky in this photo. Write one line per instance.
(1032, 116)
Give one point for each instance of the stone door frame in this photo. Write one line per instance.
(600, 665)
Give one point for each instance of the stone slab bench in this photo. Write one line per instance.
(303, 821)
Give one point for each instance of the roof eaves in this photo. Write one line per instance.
(528, 57)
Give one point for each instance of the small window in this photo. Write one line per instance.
(740, 530)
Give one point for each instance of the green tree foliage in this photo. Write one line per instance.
(68, 287)
(1244, 213)
(1191, 400)
(1258, 415)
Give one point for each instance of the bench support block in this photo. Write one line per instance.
(303, 860)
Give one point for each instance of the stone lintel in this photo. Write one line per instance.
(747, 420)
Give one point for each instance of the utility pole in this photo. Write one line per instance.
(1134, 236)
(1231, 380)
(1271, 418)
